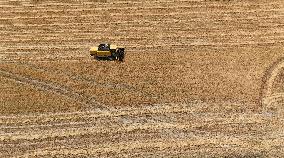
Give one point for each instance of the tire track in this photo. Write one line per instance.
(40, 137)
(120, 117)
(21, 136)
(51, 87)
(266, 96)
(67, 132)
(209, 143)
(195, 108)
(163, 118)
(111, 112)
(136, 135)
(89, 80)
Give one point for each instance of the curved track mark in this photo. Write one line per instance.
(268, 81)
(89, 80)
(58, 89)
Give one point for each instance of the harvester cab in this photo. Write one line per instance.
(104, 47)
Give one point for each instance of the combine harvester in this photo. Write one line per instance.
(107, 51)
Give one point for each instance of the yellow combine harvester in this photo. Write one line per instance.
(107, 51)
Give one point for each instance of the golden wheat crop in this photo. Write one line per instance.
(194, 75)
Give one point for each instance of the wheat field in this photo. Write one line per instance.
(190, 86)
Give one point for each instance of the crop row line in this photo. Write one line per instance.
(184, 13)
(63, 42)
(116, 14)
(157, 144)
(103, 26)
(158, 45)
(151, 6)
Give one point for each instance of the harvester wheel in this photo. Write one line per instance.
(120, 55)
(113, 56)
(272, 94)
(97, 58)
